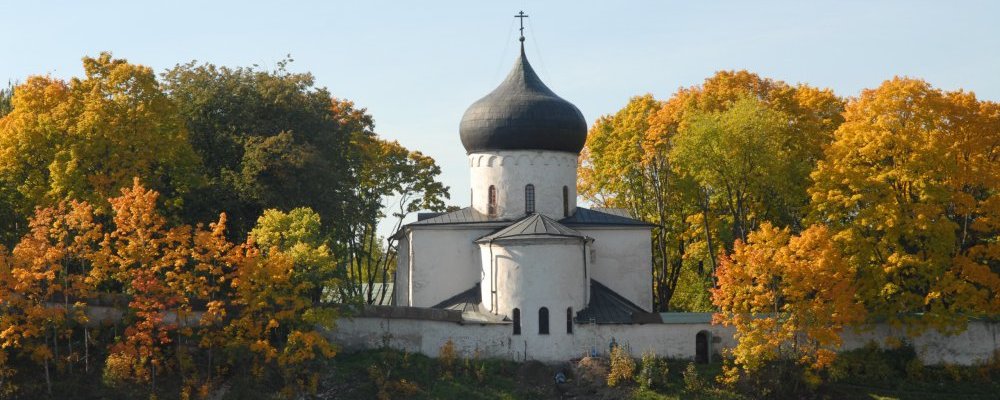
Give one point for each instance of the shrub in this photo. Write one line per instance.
(871, 365)
(622, 367)
(653, 372)
(692, 380)
(448, 358)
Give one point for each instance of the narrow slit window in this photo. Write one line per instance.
(517, 321)
(569, 320)
(529, 198)
(543, 321)
(492, 201)
(565, 201)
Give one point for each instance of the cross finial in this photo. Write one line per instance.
(521, 16)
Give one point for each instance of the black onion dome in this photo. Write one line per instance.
(523, 114)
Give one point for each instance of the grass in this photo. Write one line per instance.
(391, 374)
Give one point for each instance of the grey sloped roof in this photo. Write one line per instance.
(534, 225)
(466, 215)
(605, 216)
(469, 300)
(608, 307)
(523, 114)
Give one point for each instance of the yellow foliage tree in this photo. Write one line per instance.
(650, 158)
(89, 137)
(49, 265)
(909, 186)
(789, 298)
(277, 320)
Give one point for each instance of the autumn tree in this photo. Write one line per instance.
(789, 297)
(152, 262)
(87, 138)
(632, 161)
(618, 171)
(909, 187)
(396, 180)
(7, 387)
(299, 235)
(49, 266)
(738, 157)
(278, 325)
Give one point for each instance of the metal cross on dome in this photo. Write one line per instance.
(521, 16)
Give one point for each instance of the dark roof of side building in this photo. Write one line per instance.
(469, 300)
(582, 217)
(602, 216)
(532, 226)
(608, 307)
(467, 215)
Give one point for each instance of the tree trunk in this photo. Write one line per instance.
(86, 350)
(48, 379)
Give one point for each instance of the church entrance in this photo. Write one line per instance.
(702, 342)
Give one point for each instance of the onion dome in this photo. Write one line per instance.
(523, 114)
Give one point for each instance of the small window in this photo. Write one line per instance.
(565, 201)
(529, 198)
(569, 320)
(492, 205)
(543, 321)
(517, 321)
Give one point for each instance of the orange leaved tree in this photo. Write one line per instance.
(789, 298)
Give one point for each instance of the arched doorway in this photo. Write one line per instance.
(703, 347)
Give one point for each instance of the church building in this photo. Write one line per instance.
(524, 252)
(524, 272)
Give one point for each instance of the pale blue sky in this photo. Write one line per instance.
(416, 66)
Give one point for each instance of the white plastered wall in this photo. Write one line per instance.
(976, 345)
(622, 261)
(443, 261)
(401, 280)
(535, 273)
(510, 171)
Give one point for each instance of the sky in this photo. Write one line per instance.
(417, 65)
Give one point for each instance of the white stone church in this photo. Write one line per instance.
(525, 273)
(524, 252)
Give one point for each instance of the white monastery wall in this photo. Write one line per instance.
(445, 263)
(545, 272)
(975, 345)
(510, 171)
(622, 260)
(401, 280)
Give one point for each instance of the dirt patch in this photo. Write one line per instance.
(591, 371)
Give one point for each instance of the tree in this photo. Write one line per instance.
(143, 255)
(277, 323)
(7, 388)
(617, 169)
(631, 162)
(396, 179)
(909, 186)
(299, 235)
(739, 156)
(270, 140)
(87, 138)
(789, 298)
(5, 99)
(50, 264)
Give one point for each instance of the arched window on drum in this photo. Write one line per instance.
(529, 198)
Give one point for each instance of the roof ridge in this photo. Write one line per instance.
(529, 226)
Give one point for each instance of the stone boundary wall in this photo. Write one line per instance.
(978, 344)
(424, 330)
